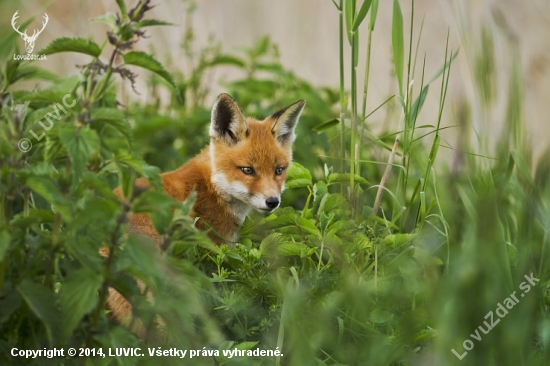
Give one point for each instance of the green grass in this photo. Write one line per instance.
(392, 261)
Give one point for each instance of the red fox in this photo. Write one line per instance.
(243, 168)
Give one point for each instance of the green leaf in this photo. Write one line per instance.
(114, 117)
(398, 44)
(417, 105)
(361, 14)
(108, 18)
(298, 176)
(397, 240)
(67, 44)
(270, 242)
(122, 6)
(344, 177)
(107, 114)
(50, 192)
(81, 145)
(373, 14)
(78, 296)
(151, 23)
(42, 302)
(28, 72)
(227, 60)
(289, 248)
(326, 125)
(380, 316)
(284, 220)
(308, 226)
(446, 65)
(47, 95)
(260, 48)
(160, 207)
(8, 304)
(146, 61)
(246, 345)
(124, 158)
(4, 243)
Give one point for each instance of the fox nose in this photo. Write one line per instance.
(272, 202)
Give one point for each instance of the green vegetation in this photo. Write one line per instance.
(343, 275)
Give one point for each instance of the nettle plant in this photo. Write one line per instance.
(57, 208)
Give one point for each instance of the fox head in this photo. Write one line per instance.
(249, 158)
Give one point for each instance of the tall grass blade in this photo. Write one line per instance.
(398, 44)
(361, 14)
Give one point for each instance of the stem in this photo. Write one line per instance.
(353, 127)
(375, 267)
(49, 268)
(281, 335)
(365, 94)
(380, 191)
(342, 91)
(385, 177)
(321, 255)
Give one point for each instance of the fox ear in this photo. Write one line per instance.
(284, 122)
(228, 122)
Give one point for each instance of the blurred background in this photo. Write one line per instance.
(488, 34)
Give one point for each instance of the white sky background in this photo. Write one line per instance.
(307, 34)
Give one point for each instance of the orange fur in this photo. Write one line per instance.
(218, 174)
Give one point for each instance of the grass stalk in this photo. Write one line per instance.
(386, 174)
(342, 90)
(353, 128)
(365, 94)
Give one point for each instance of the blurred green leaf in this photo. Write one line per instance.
(361, 14)
(122, 7)
(378, 315)
(348, 16)
(227, 60)
(78, 296)
(398, 44)
(81, 145)
(344, 178)
(289, 249)
(152, 23)
(326, 125)
(108, 18)
(417, 105)
(114, 117)
(66, 44)
(47, 189)
(4, 243)
(146, 61)
(42, 303)
(373, 14)
(47, 95)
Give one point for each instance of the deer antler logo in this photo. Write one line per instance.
(29, 41)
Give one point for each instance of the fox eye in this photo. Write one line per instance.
(247, 170)
(279, 171)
